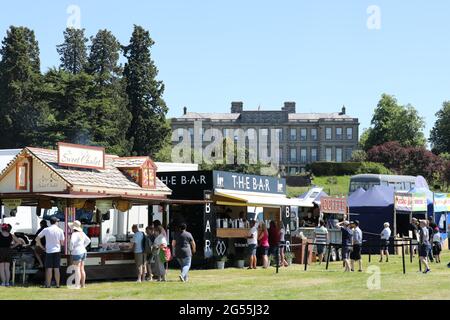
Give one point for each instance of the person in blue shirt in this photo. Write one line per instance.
(139, 255)
(347, 243)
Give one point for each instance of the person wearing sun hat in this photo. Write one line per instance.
(77, 246)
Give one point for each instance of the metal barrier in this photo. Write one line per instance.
(365, 244)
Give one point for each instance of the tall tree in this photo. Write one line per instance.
(104, 53)
(440, 134)
(111, 119)
(73, 51)
(149, 127)
(67, 95)
(19, 79)
(394, 122)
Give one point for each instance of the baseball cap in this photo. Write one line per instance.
(54, 219)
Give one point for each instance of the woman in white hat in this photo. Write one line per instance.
(77, 246)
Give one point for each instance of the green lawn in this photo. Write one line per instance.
(333, 185)
(291, 283)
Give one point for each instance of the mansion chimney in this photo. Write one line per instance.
(237, 107)
(289, 107)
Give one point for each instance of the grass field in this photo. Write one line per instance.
(333, 185)
(291, 283)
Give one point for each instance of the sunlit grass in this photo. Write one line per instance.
(290, 283)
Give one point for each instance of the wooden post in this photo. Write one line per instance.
(395, 218)
(403, 257)
(306, 252)
(328, 255)
(434, 214)
(411, 250)
(66, 229)
(14, 272)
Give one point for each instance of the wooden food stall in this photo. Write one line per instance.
(220, 226)
(83, 183)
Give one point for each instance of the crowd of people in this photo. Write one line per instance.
(269, 241)
(152, 253)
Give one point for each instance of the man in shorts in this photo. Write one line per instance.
(321, 239)
(54, 240)
(355, 256)
(252, 241)
(347, 243)
(139, 255)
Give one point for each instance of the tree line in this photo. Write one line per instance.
(90, 98)
(396, 140)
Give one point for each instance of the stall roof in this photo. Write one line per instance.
(108, 181)
(376, 196)
(260, 199)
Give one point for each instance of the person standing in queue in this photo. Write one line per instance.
(384, 241)
(414, 228)
(7, 242)
(77, 246)
(424, 244)
(274, 241)
(347, 243)
(159, 244)
(355, 256)
(38, 252)
(149, 259)
(321, 239)
(284, 263)
(138, 249)
(437, 246)
(184, 247)
(263, 243)
(252, 241)
(54, 240)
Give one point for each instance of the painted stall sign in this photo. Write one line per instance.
(73, 155)
(12, 203)
(442, 202)
(333, 205)
(246, 182)
(414, 202)
(187, 184)
(209, 228)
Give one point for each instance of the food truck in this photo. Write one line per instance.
(331, 210)
(220, 225)
(83, 183)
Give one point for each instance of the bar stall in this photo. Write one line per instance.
(220, 225)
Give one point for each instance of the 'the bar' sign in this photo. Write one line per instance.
(79, 156)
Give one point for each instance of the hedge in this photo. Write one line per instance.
(346, 168)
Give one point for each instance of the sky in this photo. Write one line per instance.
(322, 54)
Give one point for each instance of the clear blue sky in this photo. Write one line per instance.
(318, 53)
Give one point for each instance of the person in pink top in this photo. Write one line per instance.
(263, 243)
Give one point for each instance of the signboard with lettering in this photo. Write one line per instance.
(286, 220)
(187, 185)
(333, 205)
(411, 202)
(442, 202)
(209, 228)
(247, 182)
(79, 156)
